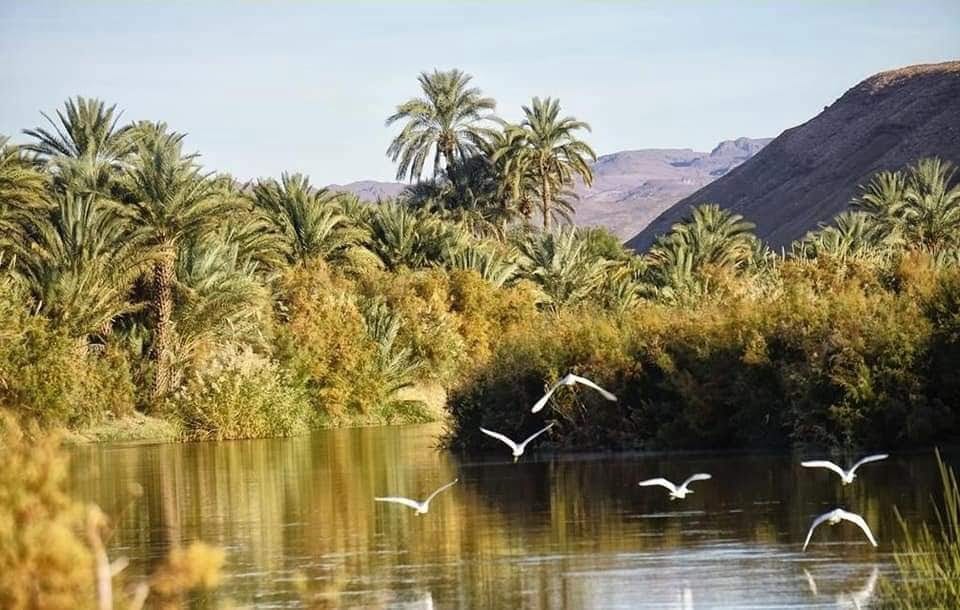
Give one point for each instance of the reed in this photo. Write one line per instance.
(928, 557)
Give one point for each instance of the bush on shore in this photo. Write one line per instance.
(852, 365)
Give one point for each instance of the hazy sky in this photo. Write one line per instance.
(306, 86)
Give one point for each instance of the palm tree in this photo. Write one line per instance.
(932, 214)
(22, 194)
(884, 200)
(709, 236)
(402, 237)
(393, 367)
(84, 261)
(307, 220)
(248, 228)
(487, 263)
(84, 145)
(172, 201)
(220, 301)
(852, 236)
(469, 192)
(560, 263)
(546, 148)
(447, 123)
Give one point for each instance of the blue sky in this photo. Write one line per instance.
(305, 86)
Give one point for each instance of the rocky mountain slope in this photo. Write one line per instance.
(630, 188)
(633, 187)
(809, 173)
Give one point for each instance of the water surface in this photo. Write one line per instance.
(560, 531)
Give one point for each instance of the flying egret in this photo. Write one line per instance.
(836, 516)
(847, 476)
(517, 449)
(420, 507)
(571, 379)
(676, 493)
(856, 599)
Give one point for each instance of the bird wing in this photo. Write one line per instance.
(816, 522)
(500, 438)
(825, 464)
(868, 459)
(434, 494)
(405, 501)
(811, 582)
(859, 521)
(536, 434)
(661, 482)
(700, 476)
(590, 384)
(540, 404)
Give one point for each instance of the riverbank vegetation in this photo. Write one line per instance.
(928, 557)
(134, 283)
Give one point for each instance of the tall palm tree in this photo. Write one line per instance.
(447, 123)
(172, 200)
(516, 185)
(83, 146)
(307, 220)
(546, 147)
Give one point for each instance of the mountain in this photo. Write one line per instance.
(370, 190)
(630, 188)
(633, 187)
(809, 173)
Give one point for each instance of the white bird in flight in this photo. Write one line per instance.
(836, 516)
(571, 379)
(847, 476)
(420, 507)
(517, 449)
(676, 493)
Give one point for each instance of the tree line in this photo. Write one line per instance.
(133, 279)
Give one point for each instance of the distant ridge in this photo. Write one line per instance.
(633, 187)
(809, 173)
(370, 190)
(630, 188)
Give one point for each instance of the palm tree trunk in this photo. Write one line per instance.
(545, 194)
(163, 307)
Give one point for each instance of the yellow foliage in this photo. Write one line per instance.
(197, 566)
(44, 562)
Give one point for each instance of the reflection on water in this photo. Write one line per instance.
(570, 531)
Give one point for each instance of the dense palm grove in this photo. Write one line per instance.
(132, 280)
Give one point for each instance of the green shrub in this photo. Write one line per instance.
(428, 328)
(241, 395)
(54, 379)
(323, 338)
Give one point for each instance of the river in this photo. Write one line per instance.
(301, 529)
